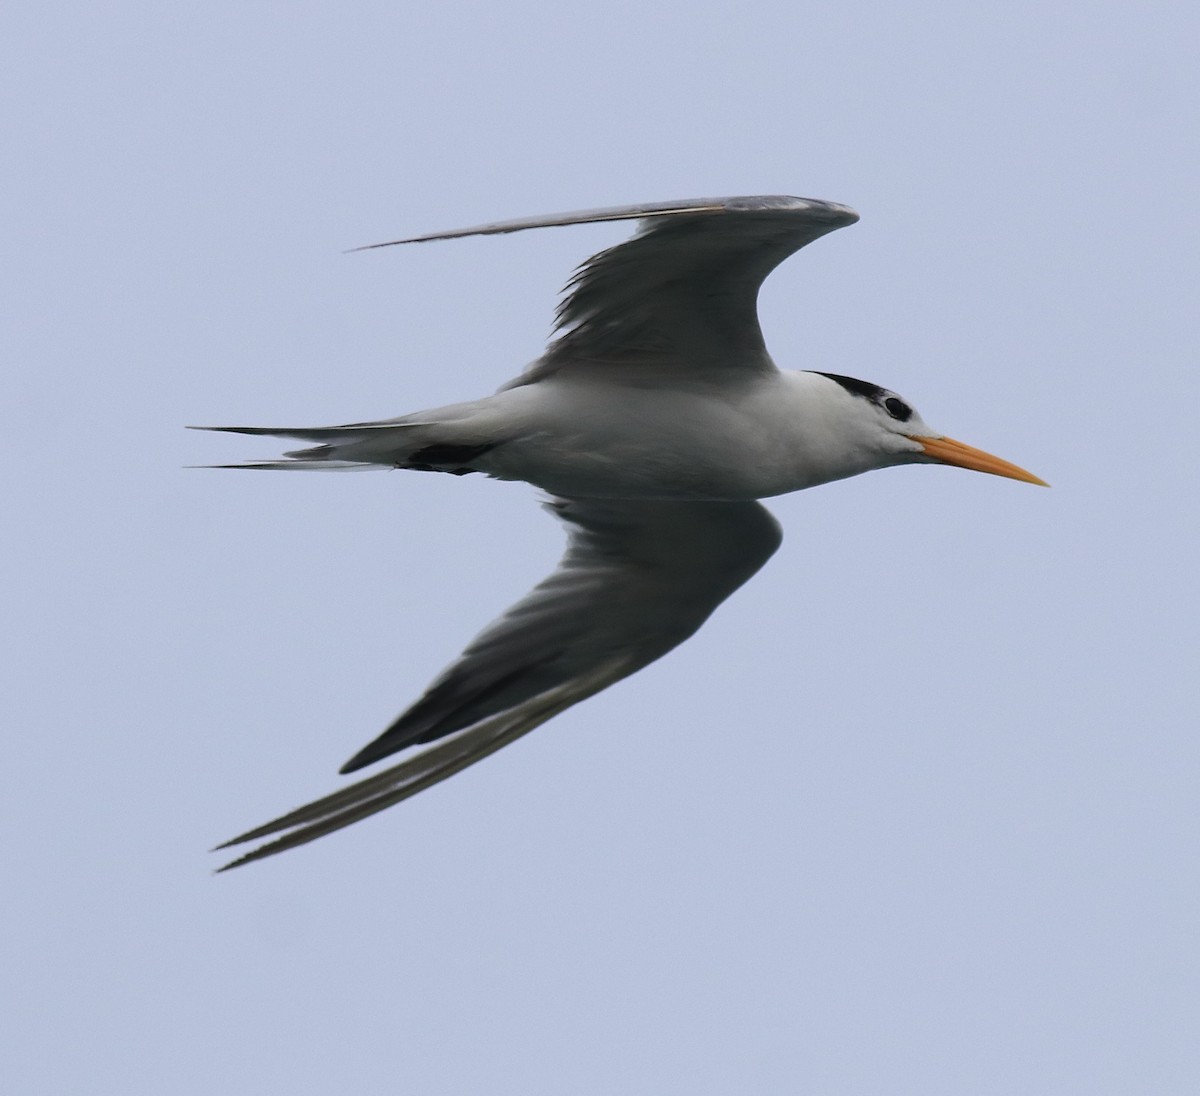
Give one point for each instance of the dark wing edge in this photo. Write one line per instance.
(639, 211)
(637, 579)
(684, 288)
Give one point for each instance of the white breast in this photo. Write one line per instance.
(754, 439)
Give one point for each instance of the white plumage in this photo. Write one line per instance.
(655, 419)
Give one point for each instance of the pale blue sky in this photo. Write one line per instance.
(914, 813)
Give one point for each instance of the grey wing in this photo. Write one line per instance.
(684, 288)
(637, 579)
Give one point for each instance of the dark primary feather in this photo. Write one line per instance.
(684, 287)
(637, 579)
(687, 286)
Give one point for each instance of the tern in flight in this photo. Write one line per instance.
(655, 421)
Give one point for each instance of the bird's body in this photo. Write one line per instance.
(591, 437)
(758, 437)
(656, 420)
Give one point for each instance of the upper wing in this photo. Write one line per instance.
(685, 287)
(637, 579)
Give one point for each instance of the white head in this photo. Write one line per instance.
(888, 428)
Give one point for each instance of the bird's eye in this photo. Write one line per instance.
(898, 409)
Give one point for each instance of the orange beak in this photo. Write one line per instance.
(949, 451)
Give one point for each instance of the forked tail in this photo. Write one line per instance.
(395, 444)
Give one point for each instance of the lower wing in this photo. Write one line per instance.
(637, 579)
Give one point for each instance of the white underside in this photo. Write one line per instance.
(580, 437)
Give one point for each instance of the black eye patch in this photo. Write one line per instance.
(854, 386)
(898, 409)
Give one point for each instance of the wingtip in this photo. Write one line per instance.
(257, 464)
(260, 853)
(381, 746)
(386, 243)
(248, 858)
(834, 212)
(237, 862)
(358, 761)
